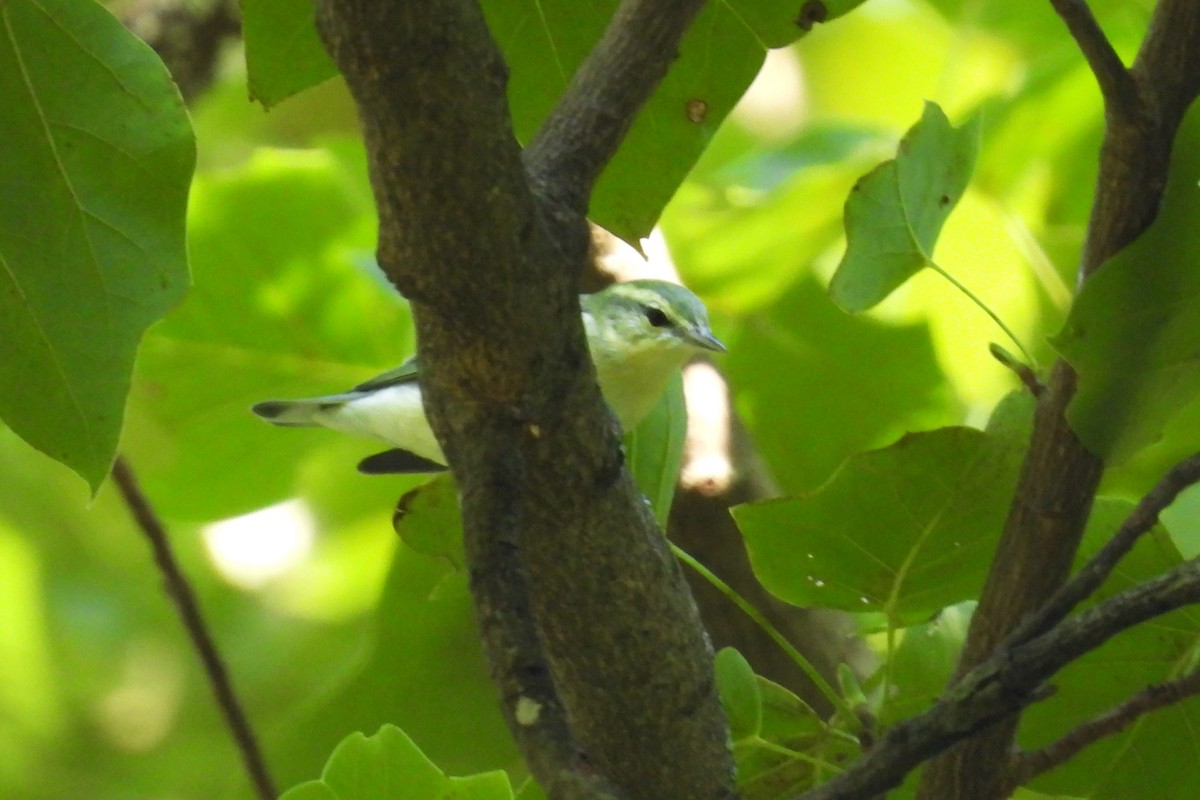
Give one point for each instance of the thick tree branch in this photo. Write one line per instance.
(512, 397)
(1008, 681)
(1059, 477)
(1027, 766)
(181, 593)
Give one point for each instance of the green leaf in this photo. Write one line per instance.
(93, 188)
(284, 54)
(895, 213)
(654, 450)
(793, 750)
(389, 766)
(313, 790)
(738, 686)
(428, 520)
(904, 531)
(1134, 331)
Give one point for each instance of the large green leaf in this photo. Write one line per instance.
(284, 55)
(904, 531)
(93, 188)
(389, 766)
(1134, 331)
(894, 214)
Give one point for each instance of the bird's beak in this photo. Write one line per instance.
(702, 337)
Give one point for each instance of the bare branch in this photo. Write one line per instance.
(1100, 566)
(1116, 84)
(193, 621)
(1005, 683)
(1027, 766)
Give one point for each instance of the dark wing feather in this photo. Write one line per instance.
(404, 373)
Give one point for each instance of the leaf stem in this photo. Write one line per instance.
(985, 309)
(835, 699)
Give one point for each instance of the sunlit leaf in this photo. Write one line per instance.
(894, 214)
(93, 188)
(904, 531)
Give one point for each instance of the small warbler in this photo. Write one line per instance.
(639, 333)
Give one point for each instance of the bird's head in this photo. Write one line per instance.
(647, 320)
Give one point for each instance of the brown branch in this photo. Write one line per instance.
(1059, 477)
(1100, 566)
(181, 593)
(1011, 679)
(1116, 84)
(529, 700)
(1027, 766)
(582, 133)
(511, 394)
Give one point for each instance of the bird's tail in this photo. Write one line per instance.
(296, 413)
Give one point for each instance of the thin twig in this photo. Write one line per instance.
(1093, 574)
(1026, 766)
(180, 590)
(1022, 370)
(1116, 85)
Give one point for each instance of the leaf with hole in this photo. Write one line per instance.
(895, 213)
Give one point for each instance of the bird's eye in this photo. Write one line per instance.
(656, 317)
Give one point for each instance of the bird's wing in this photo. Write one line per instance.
(405, 373)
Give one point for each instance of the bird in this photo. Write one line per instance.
(639, 334)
